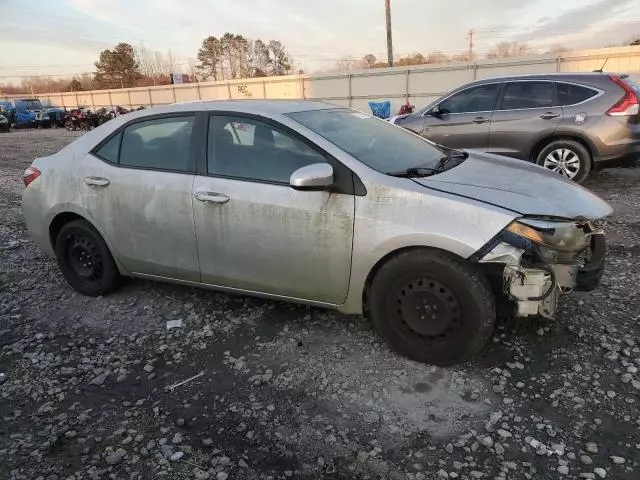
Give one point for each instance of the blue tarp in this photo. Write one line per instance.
(380, 109)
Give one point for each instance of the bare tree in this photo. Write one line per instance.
(369, 61)
(280, 59)
(557, 48)
(509, 49)
(156, 67)
(413, 59)
(461, 57)
(345, 65)
(261, 59)
(437, 57)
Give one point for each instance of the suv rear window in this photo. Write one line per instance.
(570, 94)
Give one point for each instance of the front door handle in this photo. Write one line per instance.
(96, 181)
(480, 120)
(549, 115)
(210, 197)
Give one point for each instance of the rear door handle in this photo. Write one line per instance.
(210, 197)
(549, 115)
(480, 120)
(96, 181)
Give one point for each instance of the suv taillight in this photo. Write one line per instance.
(627, 105)
(29, 175)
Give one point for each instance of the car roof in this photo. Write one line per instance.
(585, 76)
(268, 107)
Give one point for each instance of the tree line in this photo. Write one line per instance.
(504, 49)
(228, 57)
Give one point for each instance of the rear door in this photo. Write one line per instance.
(462, 120)
(136, 187)
(528, 111)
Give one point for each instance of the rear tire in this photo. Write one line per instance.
(85, 259)
(568, 158)
(432, 307)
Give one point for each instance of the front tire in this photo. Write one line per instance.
(567, 158)
(85, 259)
(432, 307)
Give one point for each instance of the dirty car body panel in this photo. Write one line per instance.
(249, 231)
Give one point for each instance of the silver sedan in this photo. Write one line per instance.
(308, 202)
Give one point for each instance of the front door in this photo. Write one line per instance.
(463, 120)
(138, 190)
(257, 233)
(529, 110)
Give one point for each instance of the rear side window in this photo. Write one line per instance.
(109, 150)
(519, 95)
(569, 94)
(161, 144)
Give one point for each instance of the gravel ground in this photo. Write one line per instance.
(291, 392)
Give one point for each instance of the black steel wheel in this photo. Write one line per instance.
(85, 259)
(432, 306)
(428, 309)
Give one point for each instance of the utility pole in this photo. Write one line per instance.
(387, 7)
(470, 35)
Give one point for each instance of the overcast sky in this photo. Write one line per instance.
(66, 36)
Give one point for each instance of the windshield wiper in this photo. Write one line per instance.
(451, 155)
(414, 172)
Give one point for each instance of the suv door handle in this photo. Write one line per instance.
(210, 197)
(96, 181)
(549, 115)
(480, 120)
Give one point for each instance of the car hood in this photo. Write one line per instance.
(519, 186)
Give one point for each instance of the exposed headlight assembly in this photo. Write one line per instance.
(562, 236)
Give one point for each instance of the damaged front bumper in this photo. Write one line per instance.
(535, 276)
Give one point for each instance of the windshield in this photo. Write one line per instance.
(376, 143)
(28, 105)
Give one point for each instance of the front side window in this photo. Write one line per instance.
(161, 144)
(475, 99)
(249, 149)
(374, 142)
(569, 94)
(519, 95)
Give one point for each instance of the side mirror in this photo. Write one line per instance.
(317, 176)
(435, 111)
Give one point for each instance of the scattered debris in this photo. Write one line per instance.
(171, 388)
(174, 324)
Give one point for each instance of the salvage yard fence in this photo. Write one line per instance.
(419, 84)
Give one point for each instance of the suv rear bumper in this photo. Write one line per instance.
(626, 158)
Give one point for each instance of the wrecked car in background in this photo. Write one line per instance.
(305, 202)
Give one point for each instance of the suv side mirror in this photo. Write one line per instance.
(317, 176)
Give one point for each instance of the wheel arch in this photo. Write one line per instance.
(388, 256)
(560, 135)
(64, 216)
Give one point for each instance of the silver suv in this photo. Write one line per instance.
(306, 202)
(570, 123)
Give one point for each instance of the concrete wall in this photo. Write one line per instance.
(419, 84)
